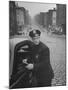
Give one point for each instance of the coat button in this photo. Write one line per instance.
(37, 56)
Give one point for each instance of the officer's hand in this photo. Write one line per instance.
(30, 66)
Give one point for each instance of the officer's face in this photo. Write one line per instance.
(36, 40)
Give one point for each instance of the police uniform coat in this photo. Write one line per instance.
(42, 67)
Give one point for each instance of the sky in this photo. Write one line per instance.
(35, 8)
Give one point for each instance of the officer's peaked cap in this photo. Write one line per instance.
(34, 33)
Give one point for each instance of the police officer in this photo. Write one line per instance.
(39, 67)
(42, 70)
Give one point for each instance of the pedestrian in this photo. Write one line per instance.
(42, 71)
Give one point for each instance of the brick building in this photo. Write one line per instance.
(42, 18)
(20, 17)
(45, 19)
(51, 19)
(12, 18)
(61, 16)
(23, 19)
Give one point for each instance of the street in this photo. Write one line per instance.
(57, 48)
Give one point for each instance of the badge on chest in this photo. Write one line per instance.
(37, 56)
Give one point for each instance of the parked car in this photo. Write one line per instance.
(55, 29)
